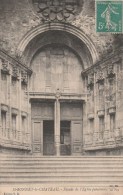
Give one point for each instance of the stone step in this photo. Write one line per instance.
(69, 158)
(62, 174)
(41, 179)
(42, 171)
(115, 160)
(62, 169)
(46, 156)
(72, 184)
(79, 170)
(50, 163)
(19, 165)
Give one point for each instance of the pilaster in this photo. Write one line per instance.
(96, 121)
(57, 127)
(0, 99)
(10, 114)
(19, 106)
(29, 113)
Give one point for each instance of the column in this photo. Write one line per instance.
(10, 100)
(29, 114)
(0, 99)
(96, 120)
(20, 135)
(57, 127)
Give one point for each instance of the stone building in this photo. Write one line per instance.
(61, 82)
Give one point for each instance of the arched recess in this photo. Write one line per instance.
(58, 33)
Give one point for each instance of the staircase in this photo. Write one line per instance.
(75, 171)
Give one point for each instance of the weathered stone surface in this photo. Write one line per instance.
(74, 69)
(18, 17)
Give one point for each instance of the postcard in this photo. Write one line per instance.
(61, 97)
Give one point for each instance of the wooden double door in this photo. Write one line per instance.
(43, 133)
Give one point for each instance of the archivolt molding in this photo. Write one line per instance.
(58, 27)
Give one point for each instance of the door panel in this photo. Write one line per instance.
(48, 144)
(65, 138)
(48, 138)
(37, 136)
(76, 130)
(71, 111)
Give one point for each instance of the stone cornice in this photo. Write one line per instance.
(53, 96)
(12, 60)
(113, 58)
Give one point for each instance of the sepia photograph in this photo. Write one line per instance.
(61, 97)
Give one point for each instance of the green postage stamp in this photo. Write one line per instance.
(109, 16)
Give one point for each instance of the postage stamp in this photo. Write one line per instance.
(109, 16)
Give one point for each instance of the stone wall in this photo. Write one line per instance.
(104, 86)
(18, 17)
(54, 68)
(14, 104)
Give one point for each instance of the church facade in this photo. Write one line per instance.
(60, 81)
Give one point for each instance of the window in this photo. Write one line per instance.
(91, 124)
(3, 121)
(23, 123)
(4, 77)
(101, 96)
(4, 86)
(14, 82)
(14, 122)
(14, 125)
(112, 122)
(101, 127)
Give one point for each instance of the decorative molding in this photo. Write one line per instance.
(15, 72)
(112, 59)
(4, 107)
(12, 144)
(14, 111)
(60, 27)
(90, 84)
(110, 71)
(24, 114)
(24, 78)
(4, 56)
(104, 44)
(58, 93)
(101, 113)
(5, 67)
(100, 76)
(112, 110)
(111, 102)
(55, 10)
(91, 116)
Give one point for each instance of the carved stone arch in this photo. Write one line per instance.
(68, 29)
